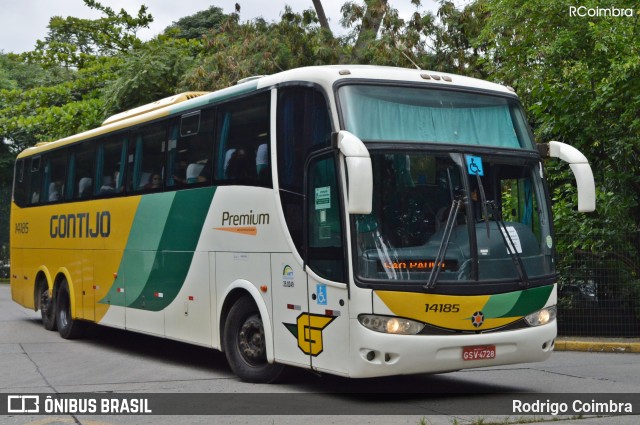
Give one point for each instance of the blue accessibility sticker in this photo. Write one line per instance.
(474, 165)
(321, 293)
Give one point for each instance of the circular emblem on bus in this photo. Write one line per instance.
(477, 319)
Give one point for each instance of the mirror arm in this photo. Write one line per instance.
(581, 170)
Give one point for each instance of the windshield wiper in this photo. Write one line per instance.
(483, 200)
(511, 247)
(506, 237)
(444, 244)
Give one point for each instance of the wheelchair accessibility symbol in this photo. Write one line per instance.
(474, 166)
(321, 292)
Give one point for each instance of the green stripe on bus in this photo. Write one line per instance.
(499, 305)
(517, 304)
(175, 251)
(530, 301)
(159, 251)
(144, 239)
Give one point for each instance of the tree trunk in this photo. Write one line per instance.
(324, 22)
(371, 22)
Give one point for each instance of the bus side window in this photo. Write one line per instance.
(146, 169)
(191, 149)
(20, 183)
(35, 180)
(303, 126)
(55, 171)
(242, 151)
(111, 166)
(81, 172)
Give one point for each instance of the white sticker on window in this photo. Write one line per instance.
(515, 239)
(323, 198)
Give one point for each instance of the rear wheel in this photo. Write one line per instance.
(245, 345)
(68, 327)
(47, 308)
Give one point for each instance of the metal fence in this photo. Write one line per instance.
(599, 292)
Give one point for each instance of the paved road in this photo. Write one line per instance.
(34, 360)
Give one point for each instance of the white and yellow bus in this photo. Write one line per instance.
(354, 220)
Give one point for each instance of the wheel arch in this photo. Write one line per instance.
(234, 292)
(43, 276)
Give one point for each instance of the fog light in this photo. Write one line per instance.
(542, 317)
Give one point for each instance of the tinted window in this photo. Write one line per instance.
(55, 171)
(191, 149)
(326, 253)
(242, 154)
(146, 166)
(112, 160)
(35, 180)
(19, 183)
(304, 126)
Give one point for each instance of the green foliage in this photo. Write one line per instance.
(197, 25)
(583, 86)
(51, 112)
(579, 78)
(153, 72)
(234, 50)
(20, 75)
(72, 42)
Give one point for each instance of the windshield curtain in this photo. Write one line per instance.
(426, 201)
(411, 114)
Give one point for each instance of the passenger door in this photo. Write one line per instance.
(326, 333)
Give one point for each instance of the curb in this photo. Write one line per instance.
(598, 346)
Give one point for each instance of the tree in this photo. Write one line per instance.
(371, 17)
(73, 41)
(153, 72)
(197, 25)
(55, 91)
(237, 50)
(580, 85)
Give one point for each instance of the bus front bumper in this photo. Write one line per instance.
(379, 354)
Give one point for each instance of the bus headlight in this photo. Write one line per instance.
(390, 325)
(542, 317)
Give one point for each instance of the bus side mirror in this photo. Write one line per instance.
(359, 172)
(580, 168)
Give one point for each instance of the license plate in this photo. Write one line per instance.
(479, 352)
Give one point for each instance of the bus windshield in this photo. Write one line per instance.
(428, 210)
(410, 114)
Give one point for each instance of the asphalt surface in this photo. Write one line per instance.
(115, 362)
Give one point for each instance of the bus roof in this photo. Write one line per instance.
(330, 74)
(325, 76)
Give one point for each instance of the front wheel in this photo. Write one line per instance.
(245, 345)
(68, 327)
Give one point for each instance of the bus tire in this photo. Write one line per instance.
(68, 327)
(47, 307)
(245, 345)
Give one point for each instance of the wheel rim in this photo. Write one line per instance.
(251, 341)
